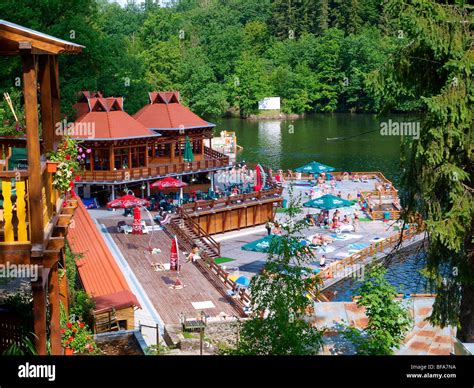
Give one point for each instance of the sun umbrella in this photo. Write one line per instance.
(174, 256)
(188, 151)
(127, 201)
(263, 244)
(137, 221)
(327, 202)
(169, 183)
(243, 281)
(259, 178)
(314, 168)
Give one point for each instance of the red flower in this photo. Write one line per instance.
(69, 325)
(71, 184)
(68, 157)
(81, 324)
(77, 178)
(74, 330)
(63, 331)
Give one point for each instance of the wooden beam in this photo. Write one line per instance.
(39, 312)
(46, 102)
(55, 94)
(54, 311)
(34, 153)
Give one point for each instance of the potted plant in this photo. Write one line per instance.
(77, 338)
(51, 166)
(65, 162)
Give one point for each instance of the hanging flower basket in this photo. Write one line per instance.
(52, 166)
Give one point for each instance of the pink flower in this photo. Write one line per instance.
(88, 150)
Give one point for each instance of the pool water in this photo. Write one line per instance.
(403, 273)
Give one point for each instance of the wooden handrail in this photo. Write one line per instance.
(361, 255)
(200, 231)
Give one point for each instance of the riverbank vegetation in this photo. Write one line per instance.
(223, 55)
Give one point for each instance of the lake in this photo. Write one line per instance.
(288, 144)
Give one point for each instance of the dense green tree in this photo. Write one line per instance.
(435, 67)
(250, 83)
(388, 319)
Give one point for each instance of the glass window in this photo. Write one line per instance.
(138, 157)
(121, 158)
(101, 159)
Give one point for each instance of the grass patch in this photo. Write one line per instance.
(222, 260)
(365, 219)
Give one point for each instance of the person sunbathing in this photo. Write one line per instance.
(356, 178)
(346, 220)
(317, 240)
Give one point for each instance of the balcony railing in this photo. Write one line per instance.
(214, 159)
(15, 209)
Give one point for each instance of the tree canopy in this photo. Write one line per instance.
(222, 55)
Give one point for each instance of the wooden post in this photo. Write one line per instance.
(54, 307)
(55, 95)
(39, 312)
(46, 102)
(111, 158)
(173, 151)
(33, 149)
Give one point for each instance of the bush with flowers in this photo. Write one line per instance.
(77, 337)
(69, 156)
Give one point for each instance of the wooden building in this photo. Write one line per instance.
(35, 217)
(134, 151)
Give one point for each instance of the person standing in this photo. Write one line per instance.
(322, 261)
(269, 226)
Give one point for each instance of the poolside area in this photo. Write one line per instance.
(368, 231)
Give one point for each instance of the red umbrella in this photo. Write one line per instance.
(258, 180)
(137, 222)
(127, 201)
(174, 257)
(169, 183)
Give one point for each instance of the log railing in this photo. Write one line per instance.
(370, 251)
(200, 232)
(134, 174)
(196, 207)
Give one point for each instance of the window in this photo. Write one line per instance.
(101, 159)
(121, 158)
(138, 157)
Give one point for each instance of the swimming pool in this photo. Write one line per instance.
(402, 272)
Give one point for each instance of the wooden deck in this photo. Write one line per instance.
(168, 302)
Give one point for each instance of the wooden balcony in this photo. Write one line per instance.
(15, 218)
(212, 160)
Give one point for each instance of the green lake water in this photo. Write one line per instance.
(288, 144)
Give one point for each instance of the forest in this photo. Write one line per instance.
(222, 55)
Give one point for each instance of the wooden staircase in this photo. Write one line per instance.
(190, 233)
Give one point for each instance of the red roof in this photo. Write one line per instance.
(165, 112)
(99, 273)
(105, 119)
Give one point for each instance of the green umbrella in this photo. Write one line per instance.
(327, 202)
(188, 151)
(314, 168)
(263, 244)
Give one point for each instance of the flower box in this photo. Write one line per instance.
(52, 166)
